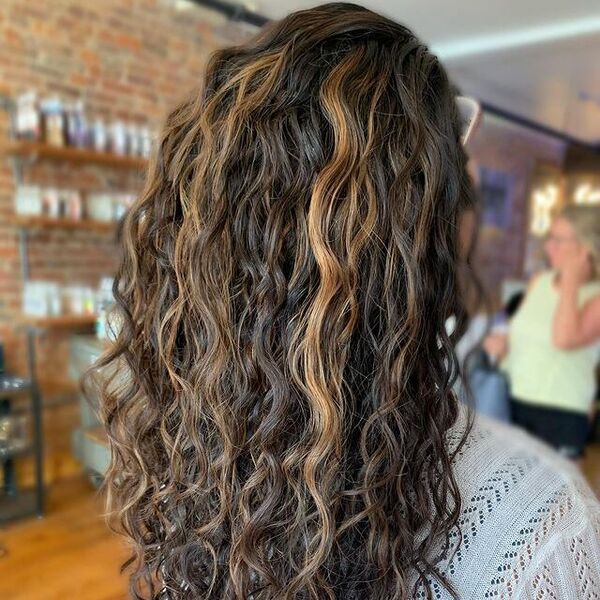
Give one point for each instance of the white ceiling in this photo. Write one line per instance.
(538, 59)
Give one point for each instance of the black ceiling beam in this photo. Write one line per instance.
(235, 12)
(538, 127)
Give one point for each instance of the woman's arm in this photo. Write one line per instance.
(575, 327)
(496, 346)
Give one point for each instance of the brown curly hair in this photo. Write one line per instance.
(281, 387)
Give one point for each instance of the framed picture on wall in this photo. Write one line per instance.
(496, 190)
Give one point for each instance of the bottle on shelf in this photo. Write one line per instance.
(100, 138)
(118, 138)
(27, 118)
(77, 127)
(53, 121)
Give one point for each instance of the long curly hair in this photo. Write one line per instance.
(278, 396)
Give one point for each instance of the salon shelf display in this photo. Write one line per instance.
(40, 150)
(69, 208)
(54, 131)
(42, 222)
(57, 322)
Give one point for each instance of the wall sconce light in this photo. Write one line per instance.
(586, 194)
(544, 200)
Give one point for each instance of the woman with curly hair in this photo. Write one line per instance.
(281, 417)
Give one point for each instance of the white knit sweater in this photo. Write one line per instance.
(530, 522)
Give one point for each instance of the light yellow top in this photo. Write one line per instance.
(539, 372)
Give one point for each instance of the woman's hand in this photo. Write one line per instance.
(576, 268)
(496, 346)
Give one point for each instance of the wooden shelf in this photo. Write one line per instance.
(53, 393)
(19, 386)
(35, 150)
(62, 321)
(43, 222)
(57, 389)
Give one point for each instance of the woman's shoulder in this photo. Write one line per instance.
(519, 500)
(541, 278)
(537, 289)
(492, 446)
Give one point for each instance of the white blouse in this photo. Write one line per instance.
(530, 522)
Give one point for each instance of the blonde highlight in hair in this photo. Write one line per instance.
(283, 289)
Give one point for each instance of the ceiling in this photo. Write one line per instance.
(536, 59)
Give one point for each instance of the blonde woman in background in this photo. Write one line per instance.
(553, 343)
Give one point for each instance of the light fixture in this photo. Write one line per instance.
(586, 194)
(544, 200)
